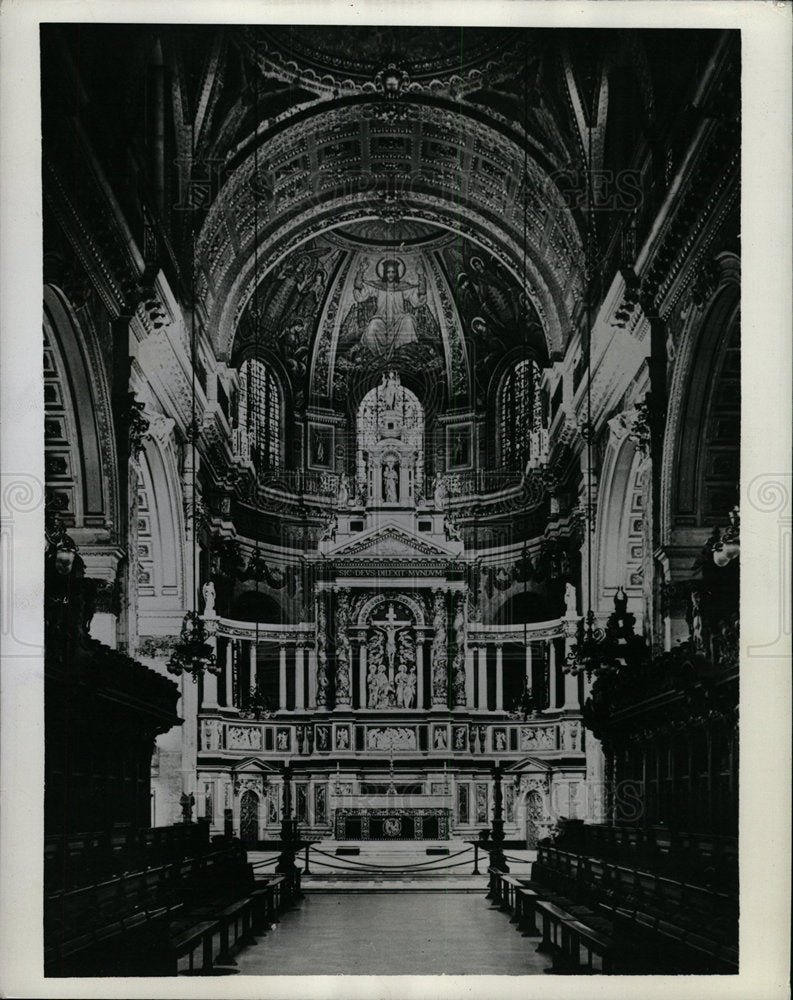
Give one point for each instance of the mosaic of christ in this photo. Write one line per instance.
(389, 320)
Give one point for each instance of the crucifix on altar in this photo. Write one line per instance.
(391, 651)
(391, 625)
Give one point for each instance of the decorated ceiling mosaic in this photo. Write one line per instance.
(353, 303)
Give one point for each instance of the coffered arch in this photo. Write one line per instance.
(407, 160)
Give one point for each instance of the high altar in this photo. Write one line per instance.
(391, 702)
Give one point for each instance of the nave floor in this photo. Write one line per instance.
(392, 934)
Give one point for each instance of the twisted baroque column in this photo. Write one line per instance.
(343, 649)
(322, 651)
(440, 652)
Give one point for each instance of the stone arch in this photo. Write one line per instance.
(249, 816)
(709, 342)
(253, 605)
(532, 808)
(78, 425)
(369, 607)
(160, 530)
(620, 523)
(527, 605)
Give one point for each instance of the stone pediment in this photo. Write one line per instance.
(391, 541)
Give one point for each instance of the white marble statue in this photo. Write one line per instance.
(440, 492)
(390, 483)
(343, 495)
(208, 590)
(570, 609)
(390, 385)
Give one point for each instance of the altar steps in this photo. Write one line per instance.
(388, 866)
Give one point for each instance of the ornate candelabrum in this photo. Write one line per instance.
(193, 653)
(497, 859)
(286, 862)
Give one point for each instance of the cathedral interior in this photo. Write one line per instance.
(392, 392)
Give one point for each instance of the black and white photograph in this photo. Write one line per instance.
(391, 497)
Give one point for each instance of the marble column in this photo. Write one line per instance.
(529, 683)
(469, 677)
(343, 650)
(551, 675)
(282, 677)
(312, 678)
(300, 697)
(420, 672)
(362, 672)
(571, 702)
(252, 678)
(322, 652)
(481, 701)
(459, 687)
(440, 652)
(570, 680)
(210, 686)
(499, 678)
(230, 673)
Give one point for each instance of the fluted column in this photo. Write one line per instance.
(499, 678)
(282, 677)
(229, 673)
(362, 672)
(300, 696)
(551, 675)
(420, 673)
(252, 678)
(481, 701)
(312, 677)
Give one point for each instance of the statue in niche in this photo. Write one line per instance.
(380, 690)
(208, 591)
(343, 494)
(390, 482)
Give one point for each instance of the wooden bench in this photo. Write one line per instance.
(565, 938)
(188, 941)
(265, 906)
(235, 928)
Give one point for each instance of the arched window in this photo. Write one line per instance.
(520, 412)
(260, 414)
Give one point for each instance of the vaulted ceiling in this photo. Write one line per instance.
(305, 148)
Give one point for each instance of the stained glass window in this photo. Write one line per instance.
(260, 413)
(520, 412)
